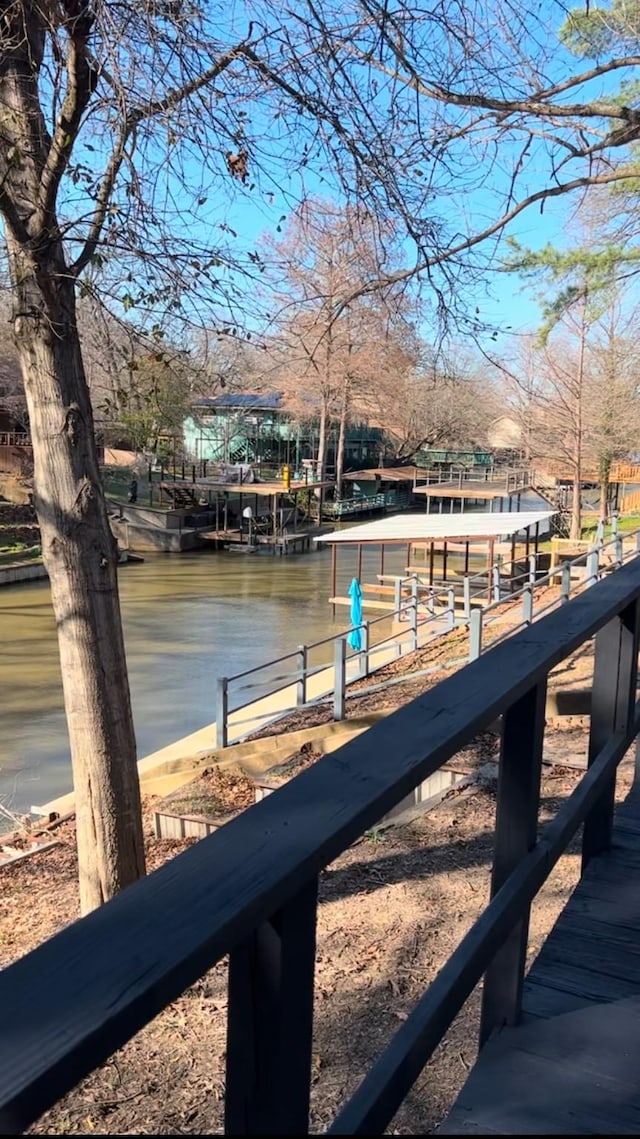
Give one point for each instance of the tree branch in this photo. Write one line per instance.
(81, 83)
(468, 243)
(135, 116)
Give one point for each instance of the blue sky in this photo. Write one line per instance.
(210, 200)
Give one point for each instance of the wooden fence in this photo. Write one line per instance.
(250, 891)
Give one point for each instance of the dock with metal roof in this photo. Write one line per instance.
(445, 542)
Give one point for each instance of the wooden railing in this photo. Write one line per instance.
(631, 502)
(250, 891)
(14, 439)
(625, 472)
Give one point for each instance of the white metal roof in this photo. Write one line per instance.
(431, 527)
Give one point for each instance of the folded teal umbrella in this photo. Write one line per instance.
(355, 636)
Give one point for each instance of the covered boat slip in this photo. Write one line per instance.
(251, 513)
(441, 550)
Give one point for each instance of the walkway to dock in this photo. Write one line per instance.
(571, 1068)
(265, 710)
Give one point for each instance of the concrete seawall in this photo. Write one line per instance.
(22, 571)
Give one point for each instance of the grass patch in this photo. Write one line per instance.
(16, 555)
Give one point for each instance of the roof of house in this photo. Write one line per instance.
(438, 527)
(241, 401)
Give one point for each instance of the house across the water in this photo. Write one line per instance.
(257, 428)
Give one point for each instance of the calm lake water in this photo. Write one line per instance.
(188, 619)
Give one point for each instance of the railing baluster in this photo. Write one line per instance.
(366, 639)
(466, 586)
(301, 683)
(270, 1023)
(222, 711)
(593, 564)
(451, 608)
(495, 576)
(339, 678)
(414, 611)
(475, 634)
(613, 695)
(565, 584)
(516, 829)
(414, 623)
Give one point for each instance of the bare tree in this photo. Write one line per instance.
(613, 394)
(103, 110)
(333, 356)
(575, 394)
(433, 399)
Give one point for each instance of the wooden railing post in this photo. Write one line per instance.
(613, 695)
(301, 683)
(533, 566)
(516, 831)
(593, 563)
(495, 575)
(339, 678)
(222, 711)
(270, 1021)
(397, 597)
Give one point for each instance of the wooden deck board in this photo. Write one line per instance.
(571, 1067)
(577, 1075)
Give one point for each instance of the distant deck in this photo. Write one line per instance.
(473, 489)
(572, 1066)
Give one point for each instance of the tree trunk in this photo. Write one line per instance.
(605, 469)
(322, 443)
(341, 441)
(576, 504)
(576, 508)
(80, 555)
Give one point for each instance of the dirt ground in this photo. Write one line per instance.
(392, 909)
